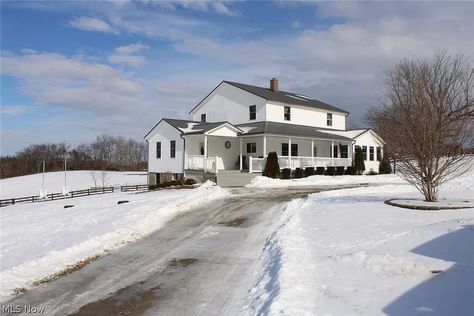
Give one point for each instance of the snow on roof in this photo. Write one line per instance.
(349, 134)
(189, 128)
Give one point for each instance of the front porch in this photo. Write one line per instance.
(248, 153)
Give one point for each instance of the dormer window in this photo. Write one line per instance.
(287, 113)
(253, 112)
(203, 117)
(329, 119)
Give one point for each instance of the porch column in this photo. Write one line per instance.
(264, 146)
(289, 152)
(312, 152)
(350, 149)
(205, 153)
(240, 146)
(332, 153)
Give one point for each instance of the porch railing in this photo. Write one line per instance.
(199, 162)
(257, 164)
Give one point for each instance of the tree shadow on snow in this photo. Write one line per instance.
(450, 292)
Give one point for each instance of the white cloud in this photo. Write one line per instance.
(125, 55)
(55, 79)
(220, 7)
(296, 24)
(131, 49)
(91, 24)
(132, 60)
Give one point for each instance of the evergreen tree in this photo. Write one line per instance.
(359, 165)
(272, 167)
(385, 167)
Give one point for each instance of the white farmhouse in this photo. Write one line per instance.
(236, 125)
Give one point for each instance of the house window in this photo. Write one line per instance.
(371, 152)
(379, 153)
(335, 151)
(287, 113)
(344, 151)
(315, 151)
(253, 112)
(294, 150)
(364, 152)
(158, 149)
(329, 119)
(203, 117)
(172, 149)
(251, 148)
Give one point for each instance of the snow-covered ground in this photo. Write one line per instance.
(264, 182)
(345, 252)
(38, 239)
(75, 180)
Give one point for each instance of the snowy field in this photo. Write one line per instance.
(347, 253)
(54, 182)
(43, 238)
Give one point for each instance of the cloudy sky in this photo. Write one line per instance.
(71, 70)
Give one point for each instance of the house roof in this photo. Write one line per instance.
(353, 133)
(286, 97)
(288, 130)
(193, 127)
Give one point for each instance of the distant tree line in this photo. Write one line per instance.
(107, 152)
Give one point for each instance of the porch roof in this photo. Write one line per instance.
(283, 129)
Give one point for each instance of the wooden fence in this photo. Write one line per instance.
(136, 187)
(56, 196)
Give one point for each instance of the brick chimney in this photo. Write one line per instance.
(274, 84)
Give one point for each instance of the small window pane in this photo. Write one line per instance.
(253, 112)
(371, 153)
(379, 154)
(364, 152)
(294, 150)
(344, 151)
(329, 119)
(251, 148)
(158, 150)
(284, 149)
(173, 149)
(335, 151)
(287, 113)
(203, 117)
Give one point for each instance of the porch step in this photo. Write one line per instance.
(234, 178)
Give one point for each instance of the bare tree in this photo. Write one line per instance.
(427, 119)
(94, 177)
(104, 177)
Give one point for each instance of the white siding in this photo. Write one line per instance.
(229, 103)
(165, 133)
(368, 139)
(305, 116)
(229, 156)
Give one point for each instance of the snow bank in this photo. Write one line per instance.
(54, 182)
(43, 238)
(264, 182)
(345, 252)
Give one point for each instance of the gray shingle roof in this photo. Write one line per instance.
(285, 97)
(193, 127)
(287, 130)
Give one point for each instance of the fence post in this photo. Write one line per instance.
(103, 189)
(13, 201)
(88, 192)
(250, 164)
